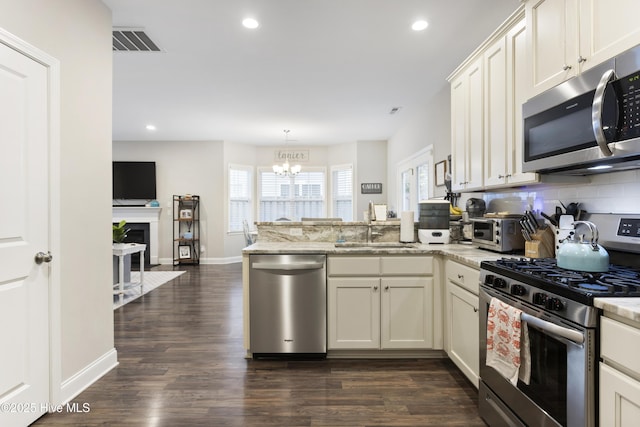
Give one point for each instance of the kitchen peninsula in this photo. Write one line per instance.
(398, 294)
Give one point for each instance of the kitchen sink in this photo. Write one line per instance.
(374, 245)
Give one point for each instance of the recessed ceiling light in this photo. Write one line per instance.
(419, 25)
(250, 23)
(150, 127)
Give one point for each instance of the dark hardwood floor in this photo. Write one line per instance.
(182, 364)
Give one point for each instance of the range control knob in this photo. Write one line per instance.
(499, 282)
(554, 304)
(539, 298)
(518, 290)
(488, 279)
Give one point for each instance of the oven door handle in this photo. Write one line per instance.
(570, 334)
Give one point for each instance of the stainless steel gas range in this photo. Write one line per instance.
(557, 305)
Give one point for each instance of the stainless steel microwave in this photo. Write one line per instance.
(588, 124)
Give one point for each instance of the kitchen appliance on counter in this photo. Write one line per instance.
(588, 124)
(288, 305)
(498, 233)
(474, 208)
(433, 221)
(557, 306)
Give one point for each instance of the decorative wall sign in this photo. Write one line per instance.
(292, 156)
(371, 188)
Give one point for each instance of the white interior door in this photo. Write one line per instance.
(24, 231)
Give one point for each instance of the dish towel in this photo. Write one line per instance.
(508, 342)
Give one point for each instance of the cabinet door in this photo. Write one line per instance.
(475, 146)
(353, 307)
(467, 128)
(607, 28)
(518, 87)
(459, 95)
(407, 312)
(619, 398)
(552, 28)
(495, 101)
(462, 323)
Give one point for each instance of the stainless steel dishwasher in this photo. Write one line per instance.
(288, 305)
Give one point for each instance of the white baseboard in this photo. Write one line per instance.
(88, 375)
(227, 260)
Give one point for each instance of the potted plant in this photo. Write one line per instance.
(119, 232)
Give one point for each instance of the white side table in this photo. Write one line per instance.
(120, 250)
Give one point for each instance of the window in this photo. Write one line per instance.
(342, 192)
(414, 180)
(294, 197)
(240, 200)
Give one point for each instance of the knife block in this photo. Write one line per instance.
(541, 245)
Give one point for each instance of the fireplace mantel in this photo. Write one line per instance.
(142, 214)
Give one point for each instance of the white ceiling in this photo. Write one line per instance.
(328, 70)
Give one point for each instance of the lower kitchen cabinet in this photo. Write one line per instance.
(377, 307)
(619, 374)
(353, 307)
(462, 318)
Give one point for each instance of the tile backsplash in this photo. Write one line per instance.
(617, 192)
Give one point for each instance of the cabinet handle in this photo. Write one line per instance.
(461, 276)
(386, 288)
(581, 59)
(375, 288)
(475, 310)
(566, 67)
(500, 176)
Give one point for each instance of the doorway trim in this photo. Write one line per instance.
(53, 135)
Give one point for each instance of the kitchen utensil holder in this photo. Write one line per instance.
(541, 245)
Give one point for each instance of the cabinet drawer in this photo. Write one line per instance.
(353, 266)
(407, 265)
(463, 276)
(620, 343)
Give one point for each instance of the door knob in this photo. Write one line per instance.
(42, 257)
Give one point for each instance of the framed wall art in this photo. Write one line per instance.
(441, 171)
(184, 251)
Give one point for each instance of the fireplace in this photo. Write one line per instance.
(139, 233)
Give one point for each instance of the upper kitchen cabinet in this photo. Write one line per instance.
(467, 128)
(567, 37)
(487, 92)
(506, 88)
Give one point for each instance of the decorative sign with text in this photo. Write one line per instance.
(371, 188)
(292, 156)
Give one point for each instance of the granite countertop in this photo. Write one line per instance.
(628, 308)
(464, 253)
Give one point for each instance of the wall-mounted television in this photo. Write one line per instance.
(134, 180)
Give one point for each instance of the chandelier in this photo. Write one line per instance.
(285, 169)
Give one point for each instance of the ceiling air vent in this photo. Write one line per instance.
(132, 40)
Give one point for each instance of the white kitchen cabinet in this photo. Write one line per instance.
(619, 373)
(487, 93)
(462, 318)
(407, 312)
(506, 72)
(380, 302)
(467, 128)
(567, 37)
(353, 312)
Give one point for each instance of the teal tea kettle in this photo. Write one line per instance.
(575, 253)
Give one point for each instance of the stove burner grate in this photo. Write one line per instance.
(618, 281)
